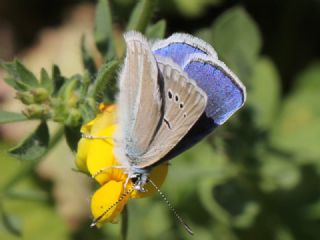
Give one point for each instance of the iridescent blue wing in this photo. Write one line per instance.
(226, 94)
(179, 46)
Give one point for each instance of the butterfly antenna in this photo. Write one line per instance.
(123, 195)
(188, 229)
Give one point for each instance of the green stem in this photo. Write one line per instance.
(29, 166)
(124, 223)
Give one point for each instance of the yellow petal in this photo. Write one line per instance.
(82, 154)
(100, 157)
(104, 198)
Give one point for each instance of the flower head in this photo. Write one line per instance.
(95, 157)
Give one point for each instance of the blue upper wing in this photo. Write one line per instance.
(225, 92)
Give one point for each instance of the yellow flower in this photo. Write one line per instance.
(95, 157)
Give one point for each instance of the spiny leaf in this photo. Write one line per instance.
(34, 146)
(105, 81)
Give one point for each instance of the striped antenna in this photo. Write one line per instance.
(123, 195)
(187, 228)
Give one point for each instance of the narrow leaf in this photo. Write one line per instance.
(57, 79)
(141, 15)
(73, 136)
(8, 117)
(34, 146)
(12, 224)
(157, 30)
(46, 81)
(105, 82)
(19, 77)
(103, 30)
(87, 59)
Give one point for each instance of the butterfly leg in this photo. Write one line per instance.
(88, 136)
(104, 170)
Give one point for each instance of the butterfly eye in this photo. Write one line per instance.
(170, 94)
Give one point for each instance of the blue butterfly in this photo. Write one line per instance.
(172, 94)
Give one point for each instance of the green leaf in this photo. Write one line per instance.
(11, 223)
(194, 8)
(105, 84)
(297, 128)
(8, 117)
(46, 81)
(264, 93)
(73, 136)
(87, 59)
(278, 173)
(141, 15)
(34, 146)
(229, 201)
(157, 30)
(87, 112)
(103, 30)
(57, 79)
(19, 77)
(237, 40)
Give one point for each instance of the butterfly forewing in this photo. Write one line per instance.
(139, 100)
(184, 102)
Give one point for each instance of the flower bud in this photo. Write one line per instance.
(40, 94)
(25, 97)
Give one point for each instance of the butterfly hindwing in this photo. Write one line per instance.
(226, 94)
(139, 100)
(179, 45)
(184, 102)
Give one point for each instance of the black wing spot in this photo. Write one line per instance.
(167, 122)
(181, 105)
(170, 94)
(184, 115)
(176, 98)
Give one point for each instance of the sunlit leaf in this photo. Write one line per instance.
(103, 29)
(237, 40)
(141, 15)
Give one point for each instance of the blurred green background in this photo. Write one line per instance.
(256, 177)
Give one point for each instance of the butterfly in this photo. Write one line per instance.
(171, 95)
